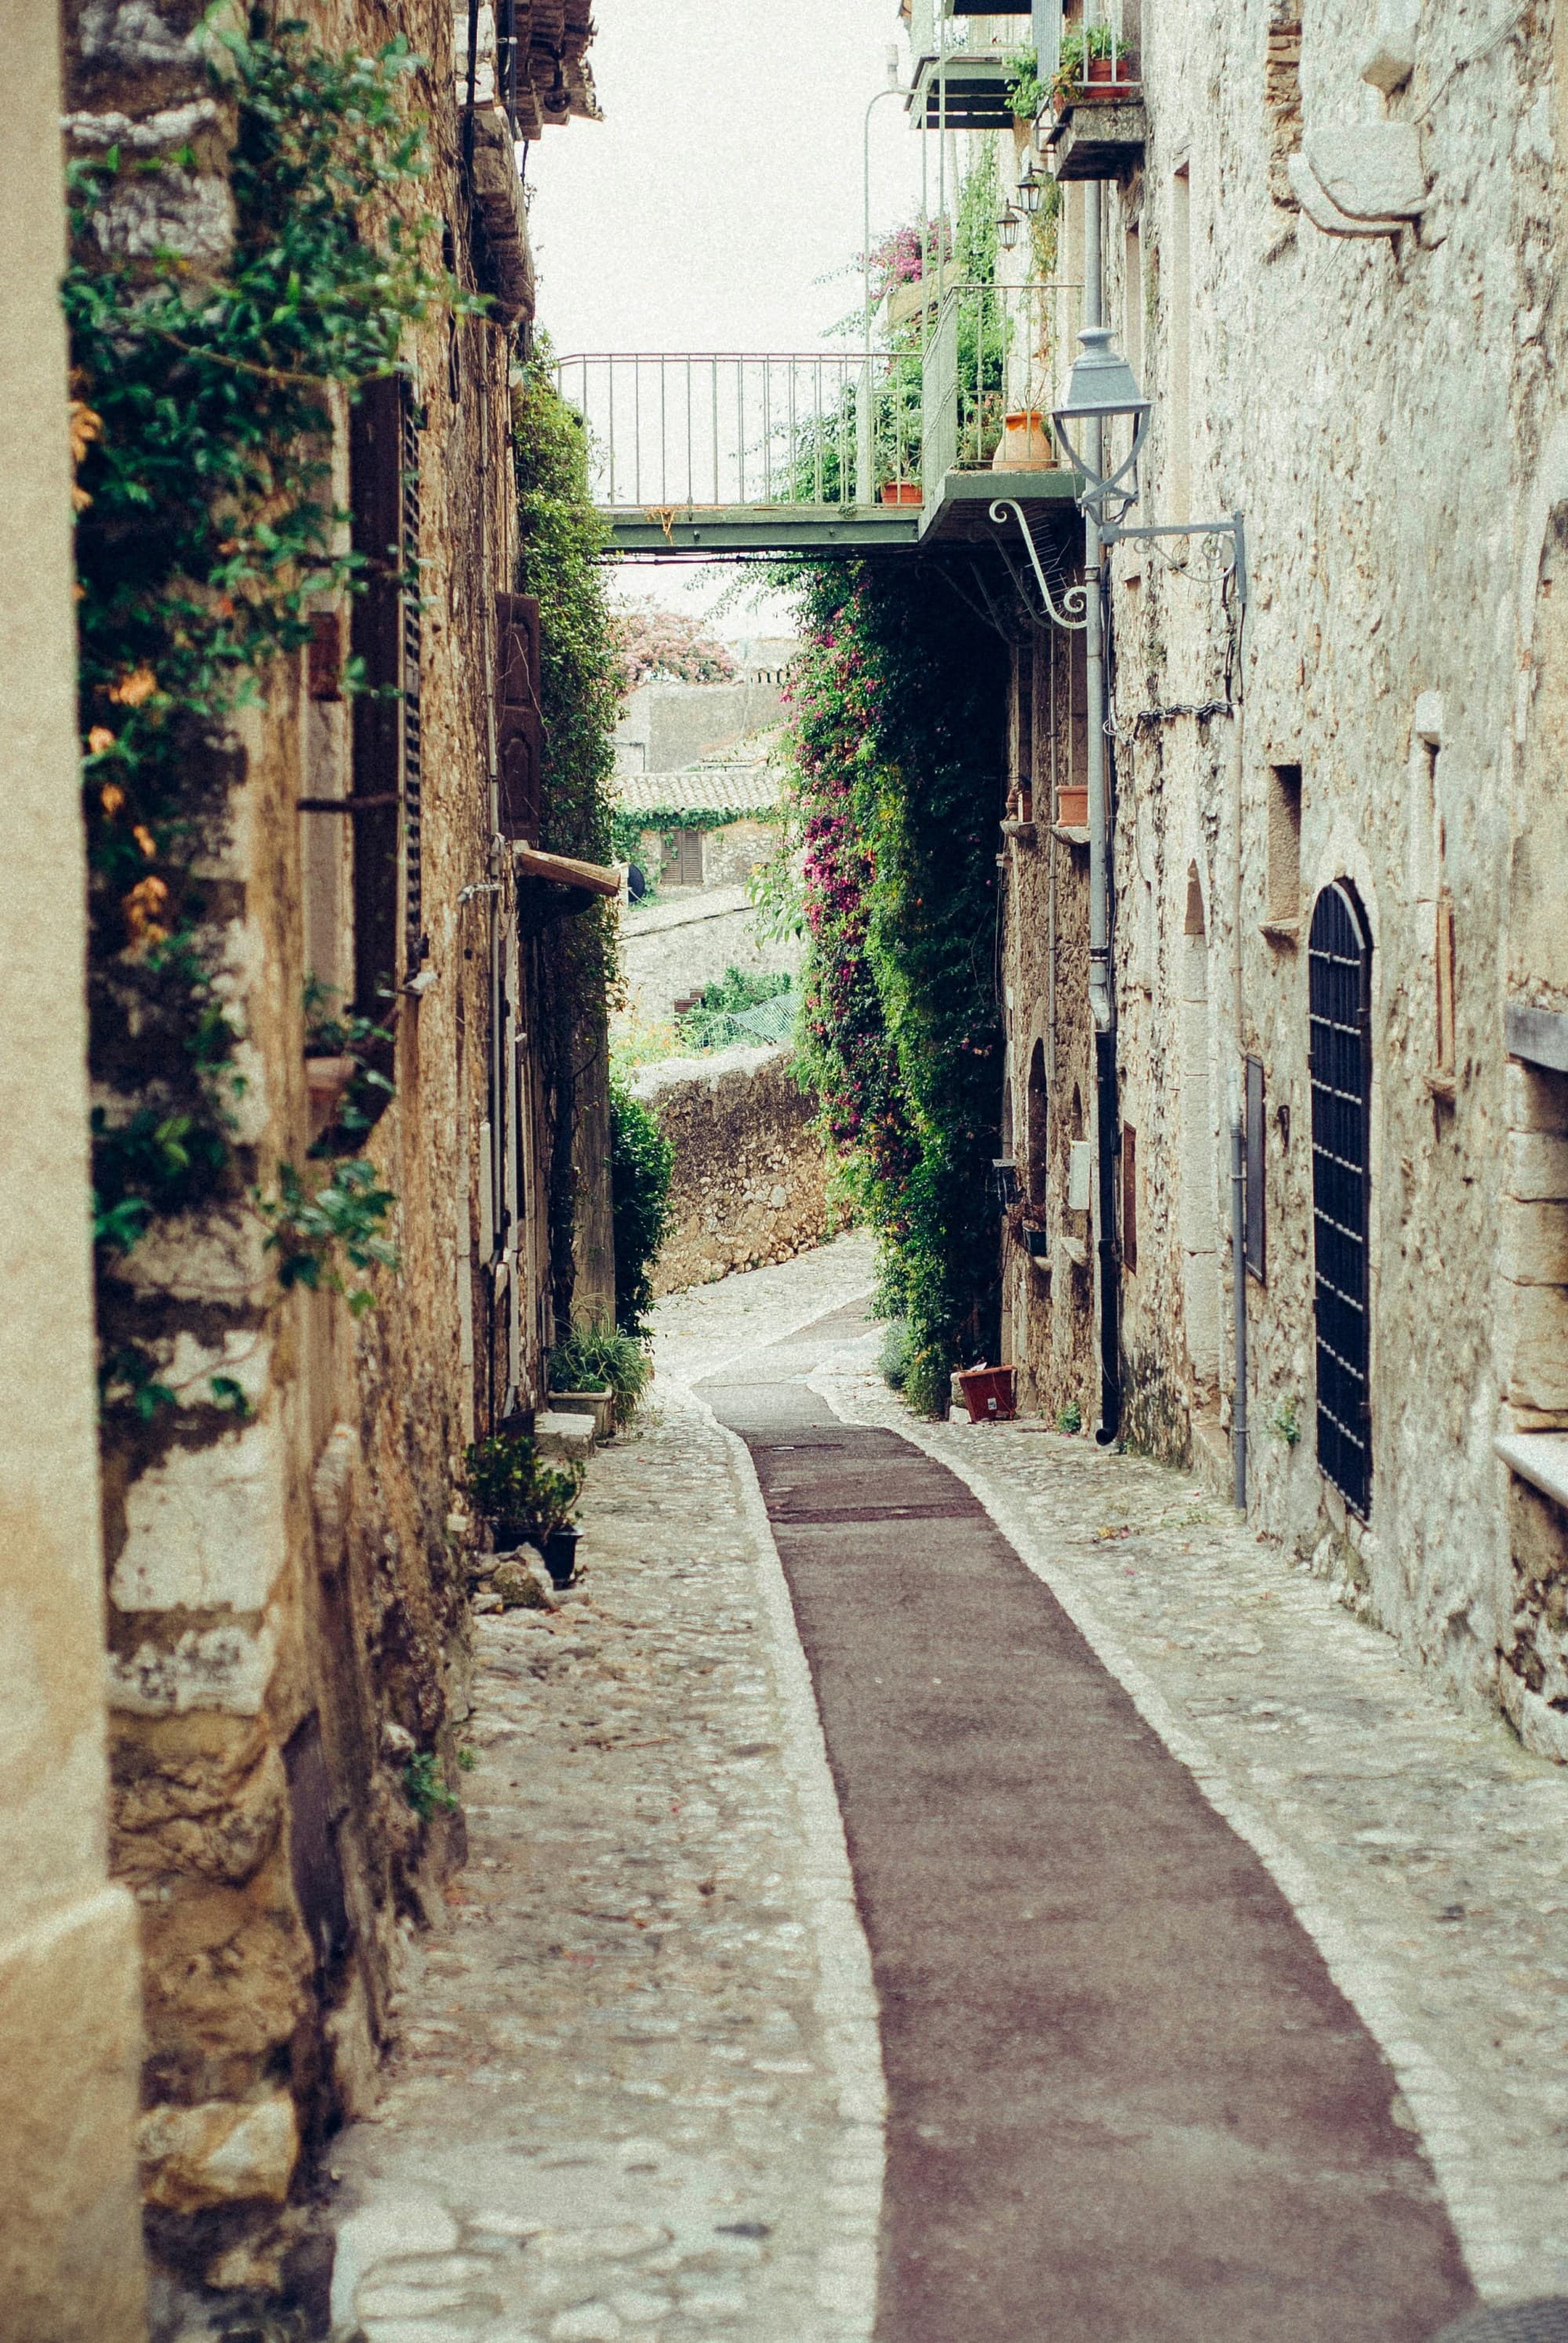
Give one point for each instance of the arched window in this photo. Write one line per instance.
(1039, 1134)
(1340, 979)
(1197, 1190)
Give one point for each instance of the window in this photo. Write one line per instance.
(1283, 96)
(1284, 846)
(1445, 1005)
(1339, 970)
(1038, 1135)
(1252, 1168)
(1180, 497)
(519, 720)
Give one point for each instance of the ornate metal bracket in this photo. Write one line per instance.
(1075, 599)
(1112, 533)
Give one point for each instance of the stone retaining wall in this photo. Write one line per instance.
(750, 1180)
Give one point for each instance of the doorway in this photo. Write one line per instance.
(1340, 978)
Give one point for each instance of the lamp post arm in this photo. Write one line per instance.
(1112, 533)
(1075, 598)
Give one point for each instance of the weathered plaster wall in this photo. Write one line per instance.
(70, 2261)
(749, 1182)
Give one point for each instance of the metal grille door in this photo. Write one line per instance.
(1339, 961)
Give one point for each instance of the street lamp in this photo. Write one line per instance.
(1102, 389)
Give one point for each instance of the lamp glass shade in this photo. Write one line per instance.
(1007, 227)
(1101, 383)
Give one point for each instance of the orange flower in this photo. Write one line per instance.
(133, 689)
(111, 798)
(142, 907)
(146, 841)
(86, 427)
(99, 738)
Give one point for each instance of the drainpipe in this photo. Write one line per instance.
(1101, 990)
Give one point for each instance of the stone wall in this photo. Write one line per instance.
(286, 1616)
(1386, 410)
(676, 947)
(70, 2260)
(751, 1179)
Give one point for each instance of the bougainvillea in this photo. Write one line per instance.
(898, 756)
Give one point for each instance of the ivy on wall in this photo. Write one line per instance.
(899, 756)
(581, 684)
(201, 417)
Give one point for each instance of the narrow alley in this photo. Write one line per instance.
(1210, 2018)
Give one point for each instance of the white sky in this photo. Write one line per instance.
(723, 187)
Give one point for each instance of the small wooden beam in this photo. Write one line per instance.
(596, 877)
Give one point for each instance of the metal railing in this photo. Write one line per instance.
(994, 351)
(674, 431)
(681, 431)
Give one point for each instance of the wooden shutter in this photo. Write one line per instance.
(519, 721)
(384, 491)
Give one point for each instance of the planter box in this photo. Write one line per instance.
(599, 1404)
(989, 1394)
(1073, 808)
(902, 492)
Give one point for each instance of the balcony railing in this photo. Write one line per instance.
(674, 431)
(831, 431)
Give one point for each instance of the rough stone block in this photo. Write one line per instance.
(219, 2153)
(1534, 1330)
(204, 1529)
(1534, 1247)
(1534, 1101)
(1537, 1167)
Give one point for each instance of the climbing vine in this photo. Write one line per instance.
(203, 402)
(582, 681)
(898, 765)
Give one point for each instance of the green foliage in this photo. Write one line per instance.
(1070, 1419)
(201, 427)
(740, 1007)
(1285, 1422)
(599, 1358)
(1026, 93)
(640, 1161)
(344, 1034)
(425, 1786)
(517, 1491)
(314, 1233)
(899, 758)
(896, 1355)
(974, 230)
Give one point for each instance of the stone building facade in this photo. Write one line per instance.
(285, 1569)
(1331, 248)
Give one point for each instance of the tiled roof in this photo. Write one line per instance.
(701, 789)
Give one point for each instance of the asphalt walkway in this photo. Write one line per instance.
(1127, 2103)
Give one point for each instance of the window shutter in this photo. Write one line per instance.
(519, 720)
(385, 638)
(1252, 1167)
(411, 602)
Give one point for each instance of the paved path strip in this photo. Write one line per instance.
(637, 2098)
(1127, 2100)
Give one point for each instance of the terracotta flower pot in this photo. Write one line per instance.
(1025, 442)
(989, 1394)
(902, 492)
(1073, 808)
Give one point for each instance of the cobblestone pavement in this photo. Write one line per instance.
(640, 2097)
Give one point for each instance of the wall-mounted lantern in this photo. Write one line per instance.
(1007, 227)
(1031, 188)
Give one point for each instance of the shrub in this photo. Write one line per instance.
(591, 1358)
(893, 1359)
(516, 1491)
(640, 1161)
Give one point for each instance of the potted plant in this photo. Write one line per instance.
(902, 492)
(989, 1394)
(526, 1500)
(1071, 806)
(602, 1372)
(1025, 442)
(1090, 55)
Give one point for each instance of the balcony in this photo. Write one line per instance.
(711, 453)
